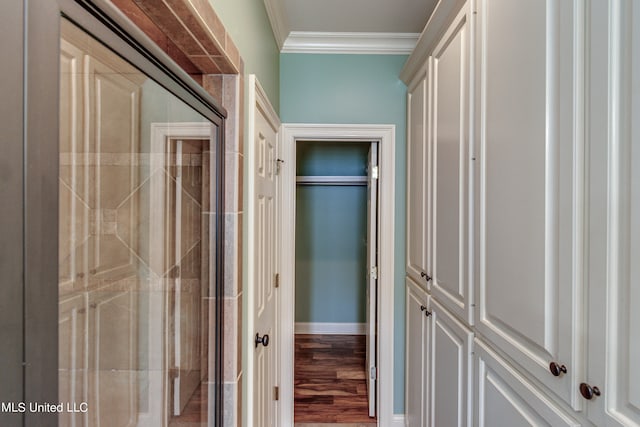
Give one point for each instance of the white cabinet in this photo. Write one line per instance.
(449, 379)
(417, 356)
(451, 282)
(438, 363)
(505, 398)
(614, 267)
(418, 173)
(533, 211)
(530, 185)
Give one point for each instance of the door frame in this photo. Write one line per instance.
(384, 135)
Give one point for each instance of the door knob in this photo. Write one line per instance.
(588, 392)
(425, 276)
(557, 369)
(264, 340)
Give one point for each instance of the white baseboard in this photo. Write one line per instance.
(398, 420)
(331, 328)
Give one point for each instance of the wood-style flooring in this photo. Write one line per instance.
(194, 413)
(330, 382)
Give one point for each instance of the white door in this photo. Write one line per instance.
(451, 282)
(450, 346)
(264, 307)
(418, 179)
(417, 355)
(530, 213)
(372, 274)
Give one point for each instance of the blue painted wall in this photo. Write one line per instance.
(356, 89)
(331, 235)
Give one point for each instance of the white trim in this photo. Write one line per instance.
(350, 43)
(385, 135)
(278, 19)
(318, 328)
(257, 100)
(398, 420)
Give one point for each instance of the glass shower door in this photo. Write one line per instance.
(138, 185)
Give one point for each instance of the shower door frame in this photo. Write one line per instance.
(29, 185)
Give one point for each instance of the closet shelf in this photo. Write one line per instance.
(331, 180)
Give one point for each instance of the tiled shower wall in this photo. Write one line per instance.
(191, 33)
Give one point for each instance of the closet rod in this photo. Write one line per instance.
(331, 180)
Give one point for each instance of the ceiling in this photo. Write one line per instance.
(296, 20)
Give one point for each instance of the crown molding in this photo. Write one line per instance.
(440, 19)
(350, 43)
(278, 19)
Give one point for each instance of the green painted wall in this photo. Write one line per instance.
(356, 89)
(331, 235)
(248, 24)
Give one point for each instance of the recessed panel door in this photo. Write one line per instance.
(265, 298)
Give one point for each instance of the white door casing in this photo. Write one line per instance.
(385, 136)
(372, 274)
(262, 295)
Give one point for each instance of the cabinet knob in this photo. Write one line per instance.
(557, 369)
(425, 276)
(423, 308)
(264, 340)
(588, 392)
(427, 313)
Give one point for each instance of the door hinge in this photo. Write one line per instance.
(276, 280)
(374, 272)
(374, 373)
(276, 393)
(374, 172)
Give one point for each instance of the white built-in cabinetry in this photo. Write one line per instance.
(523, 222)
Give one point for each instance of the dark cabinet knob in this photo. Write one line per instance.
(427, 313)
(588, 392)
(423, 308)
(264, 340)
(557, 369)
(425, 276)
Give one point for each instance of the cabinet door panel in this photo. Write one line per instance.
(530, 185)
(450, 354)
(451, 284)
(417, 179)
(505, 398)
(615, 335)
(416, 356)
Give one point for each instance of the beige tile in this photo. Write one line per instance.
(232, 253)
(234, 169)
(232, 313)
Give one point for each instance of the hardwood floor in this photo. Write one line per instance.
(330, 382)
